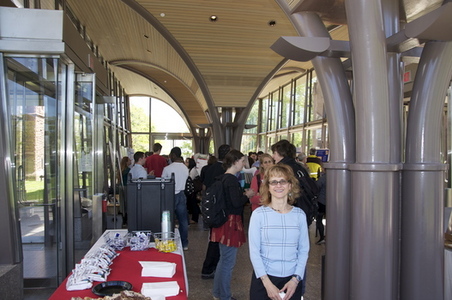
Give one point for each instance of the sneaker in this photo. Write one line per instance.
(321, 241)
(185, 248)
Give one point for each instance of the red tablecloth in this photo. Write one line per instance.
(126, 267)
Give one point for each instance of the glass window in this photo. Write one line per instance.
(300, 100)
(253, 118)
(297, 139)
(165, 119)
(264, 116)
(140, 142)
(273, 114)
(314, 138)
(139, 115)
(248, 143)
(285, 106)
(316, 101)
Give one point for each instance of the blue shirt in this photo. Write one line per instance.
(278, 243)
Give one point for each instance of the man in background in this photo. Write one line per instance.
(137, 170)
(155, 163)
(180, 171)
(314, 164)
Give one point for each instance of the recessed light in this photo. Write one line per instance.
(213, 18)
(162, 15)
(272, 23)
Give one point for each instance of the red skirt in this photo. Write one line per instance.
(230, 233)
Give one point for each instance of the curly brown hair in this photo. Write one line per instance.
(286, 172)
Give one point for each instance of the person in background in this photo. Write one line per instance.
(208, 175)
(314, 163)
(230, 235)
(212, 159)
(252, 158)
(284, 153)
(278, 238)
(321, 201)
(138, 171)
(192, 199)
(257, 162)
(125, 169)
(180, 171)
(301, 159)
(266, 161)
(156, 162)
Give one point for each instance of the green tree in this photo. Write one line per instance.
(140, 127)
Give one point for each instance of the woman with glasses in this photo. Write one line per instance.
(278, 238)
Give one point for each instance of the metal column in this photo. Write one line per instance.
(341, 120)
(422, 248)
(375, 178)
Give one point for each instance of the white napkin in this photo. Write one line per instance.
(153, 289)
(73, 285)
(158, 269)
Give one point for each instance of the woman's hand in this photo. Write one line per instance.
(289, 288)
(272, 290)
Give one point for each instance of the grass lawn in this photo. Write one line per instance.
(35, 190)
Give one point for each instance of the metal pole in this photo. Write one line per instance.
(422, 247)
(375, 178)
(341, 121)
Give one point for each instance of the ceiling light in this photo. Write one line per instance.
(162, 15)
(272, 23)
(213, 18)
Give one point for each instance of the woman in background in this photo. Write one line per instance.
(231, 234)
(192, 199)
(278, 239)
(265, 161)
(125, 169)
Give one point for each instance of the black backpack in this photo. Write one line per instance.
(308, 200)
(213, 204)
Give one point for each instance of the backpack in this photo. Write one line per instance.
(308, 200)
(213, 204)
(189, 186)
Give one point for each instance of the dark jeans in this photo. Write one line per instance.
(258, 291)
(193, 207)
(212, 257)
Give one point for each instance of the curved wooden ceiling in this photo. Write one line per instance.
(200, 63)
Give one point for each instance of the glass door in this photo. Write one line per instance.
(83, 162)
(32, 96)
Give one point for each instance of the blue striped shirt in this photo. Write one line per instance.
(278, 243)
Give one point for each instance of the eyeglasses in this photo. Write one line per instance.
(275, 182)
